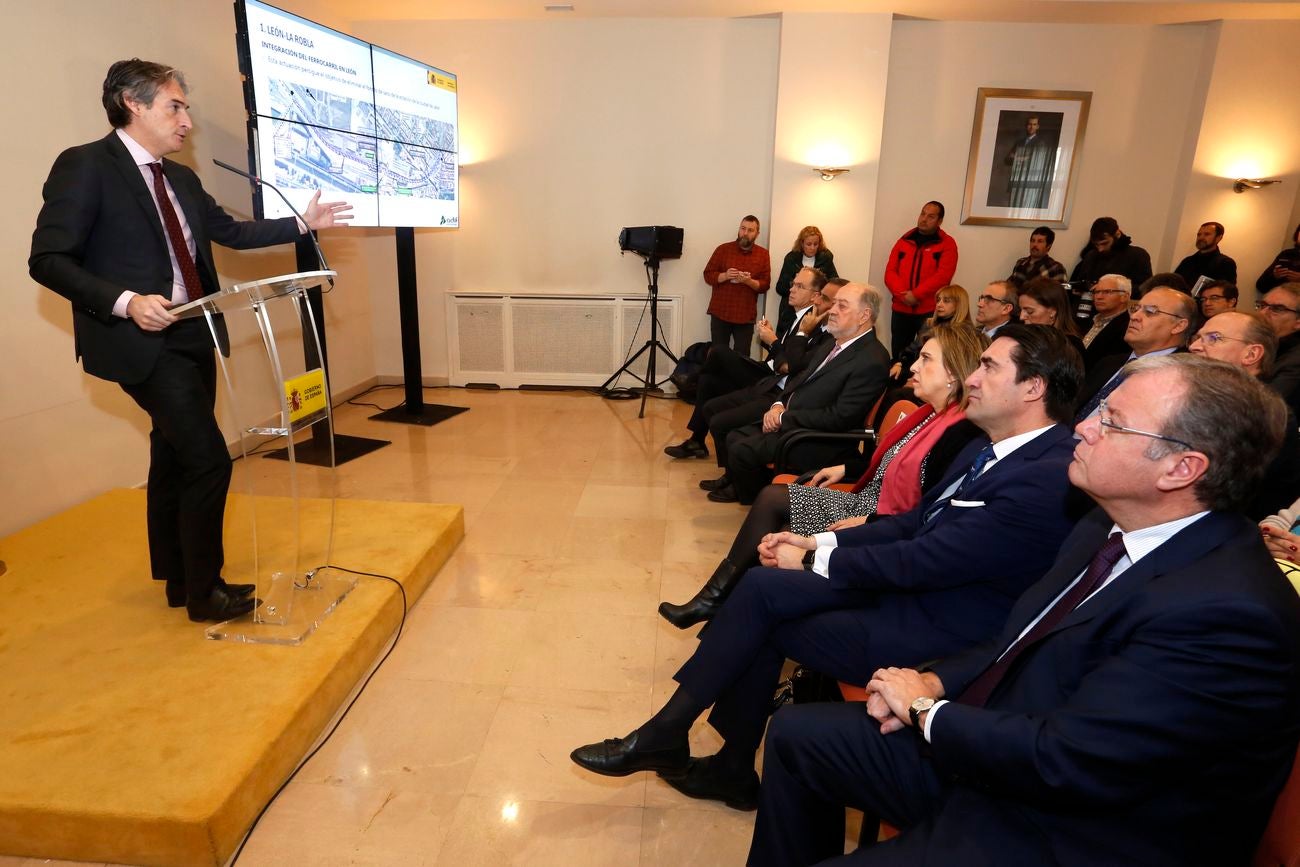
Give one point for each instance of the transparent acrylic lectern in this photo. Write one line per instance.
(276, 392)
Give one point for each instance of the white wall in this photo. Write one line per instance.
(830, 112)
(572, 130)
(1248, 131)
(1144, 116)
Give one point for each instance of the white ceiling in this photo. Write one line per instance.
(1059, 11)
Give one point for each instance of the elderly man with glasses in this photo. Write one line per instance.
(1105, 337)
(1281, 309)
(1159, 324)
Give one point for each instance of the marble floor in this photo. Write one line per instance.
(538, 635)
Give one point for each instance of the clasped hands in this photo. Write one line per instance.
(735, 275)
(891, 691)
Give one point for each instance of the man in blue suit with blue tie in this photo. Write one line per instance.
(1140, 706)
(909, 587)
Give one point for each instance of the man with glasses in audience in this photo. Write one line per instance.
(1106, 336)
(1245, 340)
(1141, 705)
(1217, 296)
(1159, 324)
(995, 307)
(1281, 309)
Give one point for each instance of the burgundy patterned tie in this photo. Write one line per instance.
(189, 273)
(982, 687)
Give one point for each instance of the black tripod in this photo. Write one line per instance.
(653, 343)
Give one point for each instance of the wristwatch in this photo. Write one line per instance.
(809, 558)
(918, 707)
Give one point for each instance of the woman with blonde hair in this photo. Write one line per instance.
(951, 307)
(914, 455)
(809, 251)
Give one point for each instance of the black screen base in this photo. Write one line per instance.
(427, 414)
(316, 452)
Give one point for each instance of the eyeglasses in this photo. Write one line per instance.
(1096, 292)
(1212, 338)
(1205, 298)
(1103, 419)
(989, 299)
(1275, 308)
(1150, 310)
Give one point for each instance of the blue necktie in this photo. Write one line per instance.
(977, 466)
(1091, 407)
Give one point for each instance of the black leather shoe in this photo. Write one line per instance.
(721, 481)
(618, 757)
(725, 494)
(220, 606)
(688, 449)
(176, 595)
(704, 604)
(236, 589)
(702, 781)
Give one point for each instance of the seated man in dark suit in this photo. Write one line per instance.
(1105, 334)
(723, 414)
(726, 370)
(1159, 324)
(1141, 704)
(839, 385)
(905, 587)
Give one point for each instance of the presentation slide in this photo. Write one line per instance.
(361, 123)
(415, 122)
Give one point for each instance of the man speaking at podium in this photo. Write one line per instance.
(125, 235)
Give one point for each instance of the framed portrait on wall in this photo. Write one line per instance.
(1024, 152)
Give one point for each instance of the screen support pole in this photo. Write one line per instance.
(316, 450)
(413, 410)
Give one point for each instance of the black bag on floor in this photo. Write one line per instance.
(687, 372)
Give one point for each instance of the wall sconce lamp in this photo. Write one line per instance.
(1243, 184)
(829, 174)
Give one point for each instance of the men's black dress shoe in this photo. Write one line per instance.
(221, 606)
(176, 595)
(702, 781)
(618, 757)
(236, 589)
(688, 449)
(721, 481)
(724, 495)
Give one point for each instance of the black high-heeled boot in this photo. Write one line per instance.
(705, 604)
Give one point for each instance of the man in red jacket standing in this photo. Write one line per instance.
(738, 271)
(921, 263)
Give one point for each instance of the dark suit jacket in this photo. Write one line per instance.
(98, 234)
(962, 570)
(1109, 342)
(1155, 725)
(1101, 372)
(838, 396)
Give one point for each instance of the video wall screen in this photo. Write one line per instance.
(362, 123)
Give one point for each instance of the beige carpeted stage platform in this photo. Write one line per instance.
(126, 736)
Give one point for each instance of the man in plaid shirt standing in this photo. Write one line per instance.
(738, 271)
